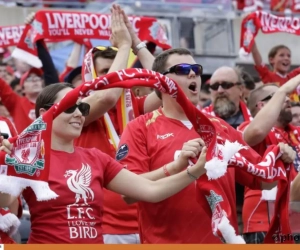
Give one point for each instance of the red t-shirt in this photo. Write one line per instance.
(78, 178)
(118, 217)
(268, 76)
(20, 108)
(180, 218)
(255, 210)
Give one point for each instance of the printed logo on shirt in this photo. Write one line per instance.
(217, 213)
(80, 219)
(31, 114)
(162, 137)
(122, 152)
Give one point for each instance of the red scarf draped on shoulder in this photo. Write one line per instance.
(220, 153)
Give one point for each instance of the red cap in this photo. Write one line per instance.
(36, 71)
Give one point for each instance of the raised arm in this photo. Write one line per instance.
(260, 127)
(50, 73)
(256, 55)
(103, 100)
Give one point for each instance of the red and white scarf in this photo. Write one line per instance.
(9, 224)
(245, 111)
(220, 153)
(63, 25)
(10, 35)
(124, 106)
(268, 24)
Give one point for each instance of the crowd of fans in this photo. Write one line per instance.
(161, 202)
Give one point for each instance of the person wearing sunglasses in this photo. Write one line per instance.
(271, 108)
(227, 91)
(79, 175)
(120, 224)
(151, 145)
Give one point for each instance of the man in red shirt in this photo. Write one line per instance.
(21, 108)
(119, 220)
(155, 153)
(267, 101)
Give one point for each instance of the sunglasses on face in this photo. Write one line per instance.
(83, 107)
(185, 69)
(224, 85)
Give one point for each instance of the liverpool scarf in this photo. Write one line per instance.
(10, 35)
(31, 168)
(9, 224)
(268, 24)
(124, 106)
(62, 25)
(245, 111)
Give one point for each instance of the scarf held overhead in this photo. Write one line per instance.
(267, 23)
(62, 25)
(36, 138)
(10, 35)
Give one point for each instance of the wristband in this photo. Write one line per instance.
(166, 170)
(194, 178)
(140, 46)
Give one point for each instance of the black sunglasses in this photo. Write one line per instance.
(83, 107)
(185, 69)
(267, 98)
(224, 85)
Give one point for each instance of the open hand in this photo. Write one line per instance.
(119, 33)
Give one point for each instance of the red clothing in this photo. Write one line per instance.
(255, 210)
(20, 108)
(118, 217)
(268, 76)
(178, 219)
(77, 177)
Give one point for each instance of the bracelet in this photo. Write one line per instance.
(190, 175)
(140, 46)
(166, 170)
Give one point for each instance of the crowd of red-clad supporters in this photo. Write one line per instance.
(150, 166)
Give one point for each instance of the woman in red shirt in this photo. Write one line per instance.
(78, 176)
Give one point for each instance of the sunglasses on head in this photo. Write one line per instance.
(185, 69)
(224, 85)
(267, 98)
(83, 107)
